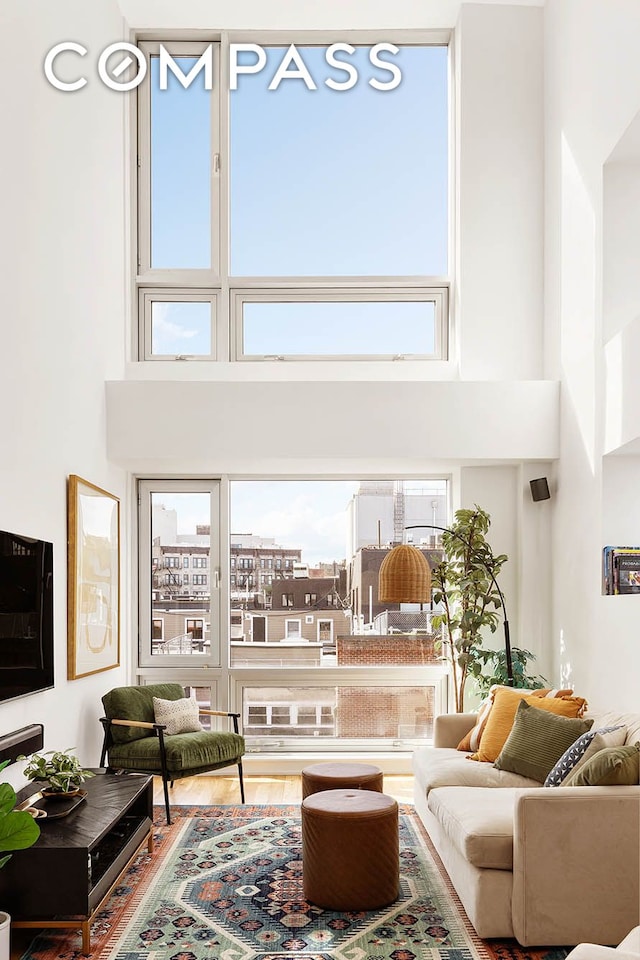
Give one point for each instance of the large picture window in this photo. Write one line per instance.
(294, 205)
(310, 651)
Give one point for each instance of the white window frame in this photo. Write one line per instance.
(438, 295)
(393, 677)
(149, 296)
(177, 277)
(213, 656)
(228, 293)
(322, 620)
(298, 635)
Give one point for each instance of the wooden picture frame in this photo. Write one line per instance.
(93, 593)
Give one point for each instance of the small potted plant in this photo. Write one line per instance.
(59, 769)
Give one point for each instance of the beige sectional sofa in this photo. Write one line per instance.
(546, 865)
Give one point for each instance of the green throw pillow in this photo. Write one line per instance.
(611, 767)
(537, 741)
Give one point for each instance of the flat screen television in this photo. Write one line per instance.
(26, 615)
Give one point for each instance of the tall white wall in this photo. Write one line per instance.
(592, 94)
(500, 187)
(62, 267)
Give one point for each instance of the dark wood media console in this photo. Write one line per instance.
(62, 880)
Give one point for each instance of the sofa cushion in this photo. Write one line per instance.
(503, 715)
(582, 750)
(612, 767)
(446, 767)
(478, 822)
(537, 740)
(186, 752)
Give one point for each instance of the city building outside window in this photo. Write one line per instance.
(354, 663)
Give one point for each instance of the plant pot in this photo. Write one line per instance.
(60, 794)
(5, 936)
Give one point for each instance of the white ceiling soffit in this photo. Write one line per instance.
(294, 15)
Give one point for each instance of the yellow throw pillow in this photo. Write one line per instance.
(503, 713)
(471, 741)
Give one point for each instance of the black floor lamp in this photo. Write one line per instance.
(405, 577)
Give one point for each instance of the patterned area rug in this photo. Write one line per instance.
(225, 883)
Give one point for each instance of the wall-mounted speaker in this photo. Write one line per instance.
(540, 489)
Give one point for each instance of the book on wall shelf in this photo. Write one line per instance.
(620, 570)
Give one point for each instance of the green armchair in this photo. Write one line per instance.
(134, 741)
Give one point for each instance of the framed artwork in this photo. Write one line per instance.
(93, 607)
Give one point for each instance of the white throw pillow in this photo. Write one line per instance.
(179, 716)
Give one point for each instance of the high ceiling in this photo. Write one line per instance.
(292, 14)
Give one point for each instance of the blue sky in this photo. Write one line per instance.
(309, 515)
(322, 183)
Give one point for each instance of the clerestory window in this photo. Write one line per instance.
(293, 199)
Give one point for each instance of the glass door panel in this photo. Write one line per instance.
(180, 603)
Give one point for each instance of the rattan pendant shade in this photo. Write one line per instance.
(405, 576)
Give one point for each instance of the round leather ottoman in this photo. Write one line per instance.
(350, 852)
(339, 776)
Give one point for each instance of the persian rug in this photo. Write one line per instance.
(225, 883)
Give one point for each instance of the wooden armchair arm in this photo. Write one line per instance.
(218, 713)
(139, 723)
(222, 713)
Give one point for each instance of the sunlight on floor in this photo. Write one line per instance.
(258, 789)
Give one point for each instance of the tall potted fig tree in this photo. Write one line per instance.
(464, 586)
(18, 830)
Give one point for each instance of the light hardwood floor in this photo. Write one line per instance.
(196, 791)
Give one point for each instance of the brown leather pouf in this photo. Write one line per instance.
(350, 852)
(339, 776)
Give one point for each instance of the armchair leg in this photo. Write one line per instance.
(166, 800)
(165, 773)
(106, 726)
(241, 780)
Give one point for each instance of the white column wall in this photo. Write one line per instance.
(500, 187)
(592, 94)
(62, 267)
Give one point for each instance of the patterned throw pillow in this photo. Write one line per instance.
(471, 740)
(536, 741)
(612, 767)
(179, 716)
(582, 750)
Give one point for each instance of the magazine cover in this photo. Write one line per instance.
(620, 570)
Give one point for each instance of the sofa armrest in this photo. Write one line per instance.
(450, 728)
(576, 870)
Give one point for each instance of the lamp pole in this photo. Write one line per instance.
(505, 621)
